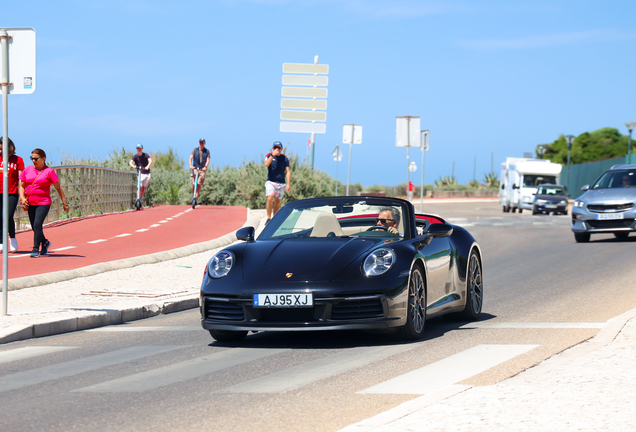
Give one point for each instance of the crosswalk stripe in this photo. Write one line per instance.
(315, 370)
(181, 371)
(28, 352)
(74, 367)
(449, 371)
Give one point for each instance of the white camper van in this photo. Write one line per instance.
(520, 178)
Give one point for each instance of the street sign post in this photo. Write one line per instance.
(17, 76)
(407, 134)
(337, 156)
(315, 84)
(351, 134)
(425, 135)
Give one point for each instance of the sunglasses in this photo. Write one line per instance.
(34, 159)
(382, 220)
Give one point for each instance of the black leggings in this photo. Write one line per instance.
(37, 214)
(13, 203)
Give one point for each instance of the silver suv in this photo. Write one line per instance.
(608, 206)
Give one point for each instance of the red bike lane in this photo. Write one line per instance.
(81, 242)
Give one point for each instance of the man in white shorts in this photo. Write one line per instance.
(143, 161)
(278, 178)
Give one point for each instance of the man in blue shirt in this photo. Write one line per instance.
(278, 178)
(199, 159)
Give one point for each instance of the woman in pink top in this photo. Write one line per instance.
(35, 196)
(14, 169)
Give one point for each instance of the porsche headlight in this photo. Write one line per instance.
(220, 264)
(378, 262)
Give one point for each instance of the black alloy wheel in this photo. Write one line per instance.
(416, 309)
(474, 288)
(228, 335)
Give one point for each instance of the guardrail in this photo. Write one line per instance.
(89, 190)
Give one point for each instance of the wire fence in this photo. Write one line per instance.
(89, 191)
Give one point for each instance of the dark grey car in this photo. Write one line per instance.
(550, 198)
(607, 206)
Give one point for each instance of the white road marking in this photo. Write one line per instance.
(451, 370)
(120, 328)
(74, 367)
(63, 248)
(163, 221)
(181, 371)
(154, 225)
(522, 325)
(501, 224)
(123, 235)
(168, 218)
(142, 230)
(316, 370)
(97, 241)
(20, 256)
(28, 352)
(188, 210)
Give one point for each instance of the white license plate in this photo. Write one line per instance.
(283, 300)
(606, 216)
(550, 206)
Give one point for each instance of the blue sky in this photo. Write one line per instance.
(486, 77)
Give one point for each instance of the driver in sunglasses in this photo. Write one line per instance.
(389, 217)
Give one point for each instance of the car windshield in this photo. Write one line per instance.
(337, 218)
(550, 190)
(533, 180)
(615, 179)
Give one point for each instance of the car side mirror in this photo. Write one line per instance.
(436, 230)
(246, 234)
(585, 187)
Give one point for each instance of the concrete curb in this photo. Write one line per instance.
(64, 275)
(92, 319)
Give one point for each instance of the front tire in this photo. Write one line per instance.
(416, 308)
(582, 237)
(474, 288)
(227, 335)
(621, 235)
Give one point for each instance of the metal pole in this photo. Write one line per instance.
(408, 146)
(629, 148)
(350, 148)
(569, 147)
(336, 175)
(4, 81)
(311, 152)
(422, 186)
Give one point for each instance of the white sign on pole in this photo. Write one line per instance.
(304, 92)
(412, 167)
(306, 68)
(407, 131)
(348, 134)
(303, 127)
(304, 104)
(337, 154)
(21, 60)
(425, 140)
(303, 115)
(305, 80)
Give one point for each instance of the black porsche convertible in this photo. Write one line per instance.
(341, 263)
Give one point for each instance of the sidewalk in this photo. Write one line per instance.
(110, 292)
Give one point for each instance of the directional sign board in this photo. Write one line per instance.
(302, 94)
(351, 134)
(21, 59)
(425, 140)
(407, 131)
(303, 127)
(337, 154)
(303, 115)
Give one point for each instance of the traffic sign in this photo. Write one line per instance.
(337, 154)
(407, 131)
(305, 80)
(304, 92)
(303, 115)
(424, 145)
(21, 60)
(306, 68)
(303, 127)
(304, 104)
(351, 134)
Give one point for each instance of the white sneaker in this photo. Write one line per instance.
(13, 246)
(1, 247)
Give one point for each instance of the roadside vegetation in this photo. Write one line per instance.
(601, 144)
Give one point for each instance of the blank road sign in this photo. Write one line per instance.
(407, 131)
(304, 92)
(303, 115)
(21, 60)
(307, 68)
(425, 140)
(304, 104)
(305, 80)
(347, 134)
(303, 127)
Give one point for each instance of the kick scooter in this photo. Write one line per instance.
(138, 201)
(195, 187)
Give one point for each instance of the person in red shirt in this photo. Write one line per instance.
(14, 169)
(409, 191)
(35, 196)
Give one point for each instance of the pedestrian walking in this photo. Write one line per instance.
(15, 167)
(142, 161)
(278, 178)
(199, 160)
(35, 197)
(409, 191)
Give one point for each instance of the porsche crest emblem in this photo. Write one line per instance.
(288, 275)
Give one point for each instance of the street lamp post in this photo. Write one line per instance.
(541, 150)
(630, 127)
(569, 139)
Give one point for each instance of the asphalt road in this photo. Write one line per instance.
(543, 294)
